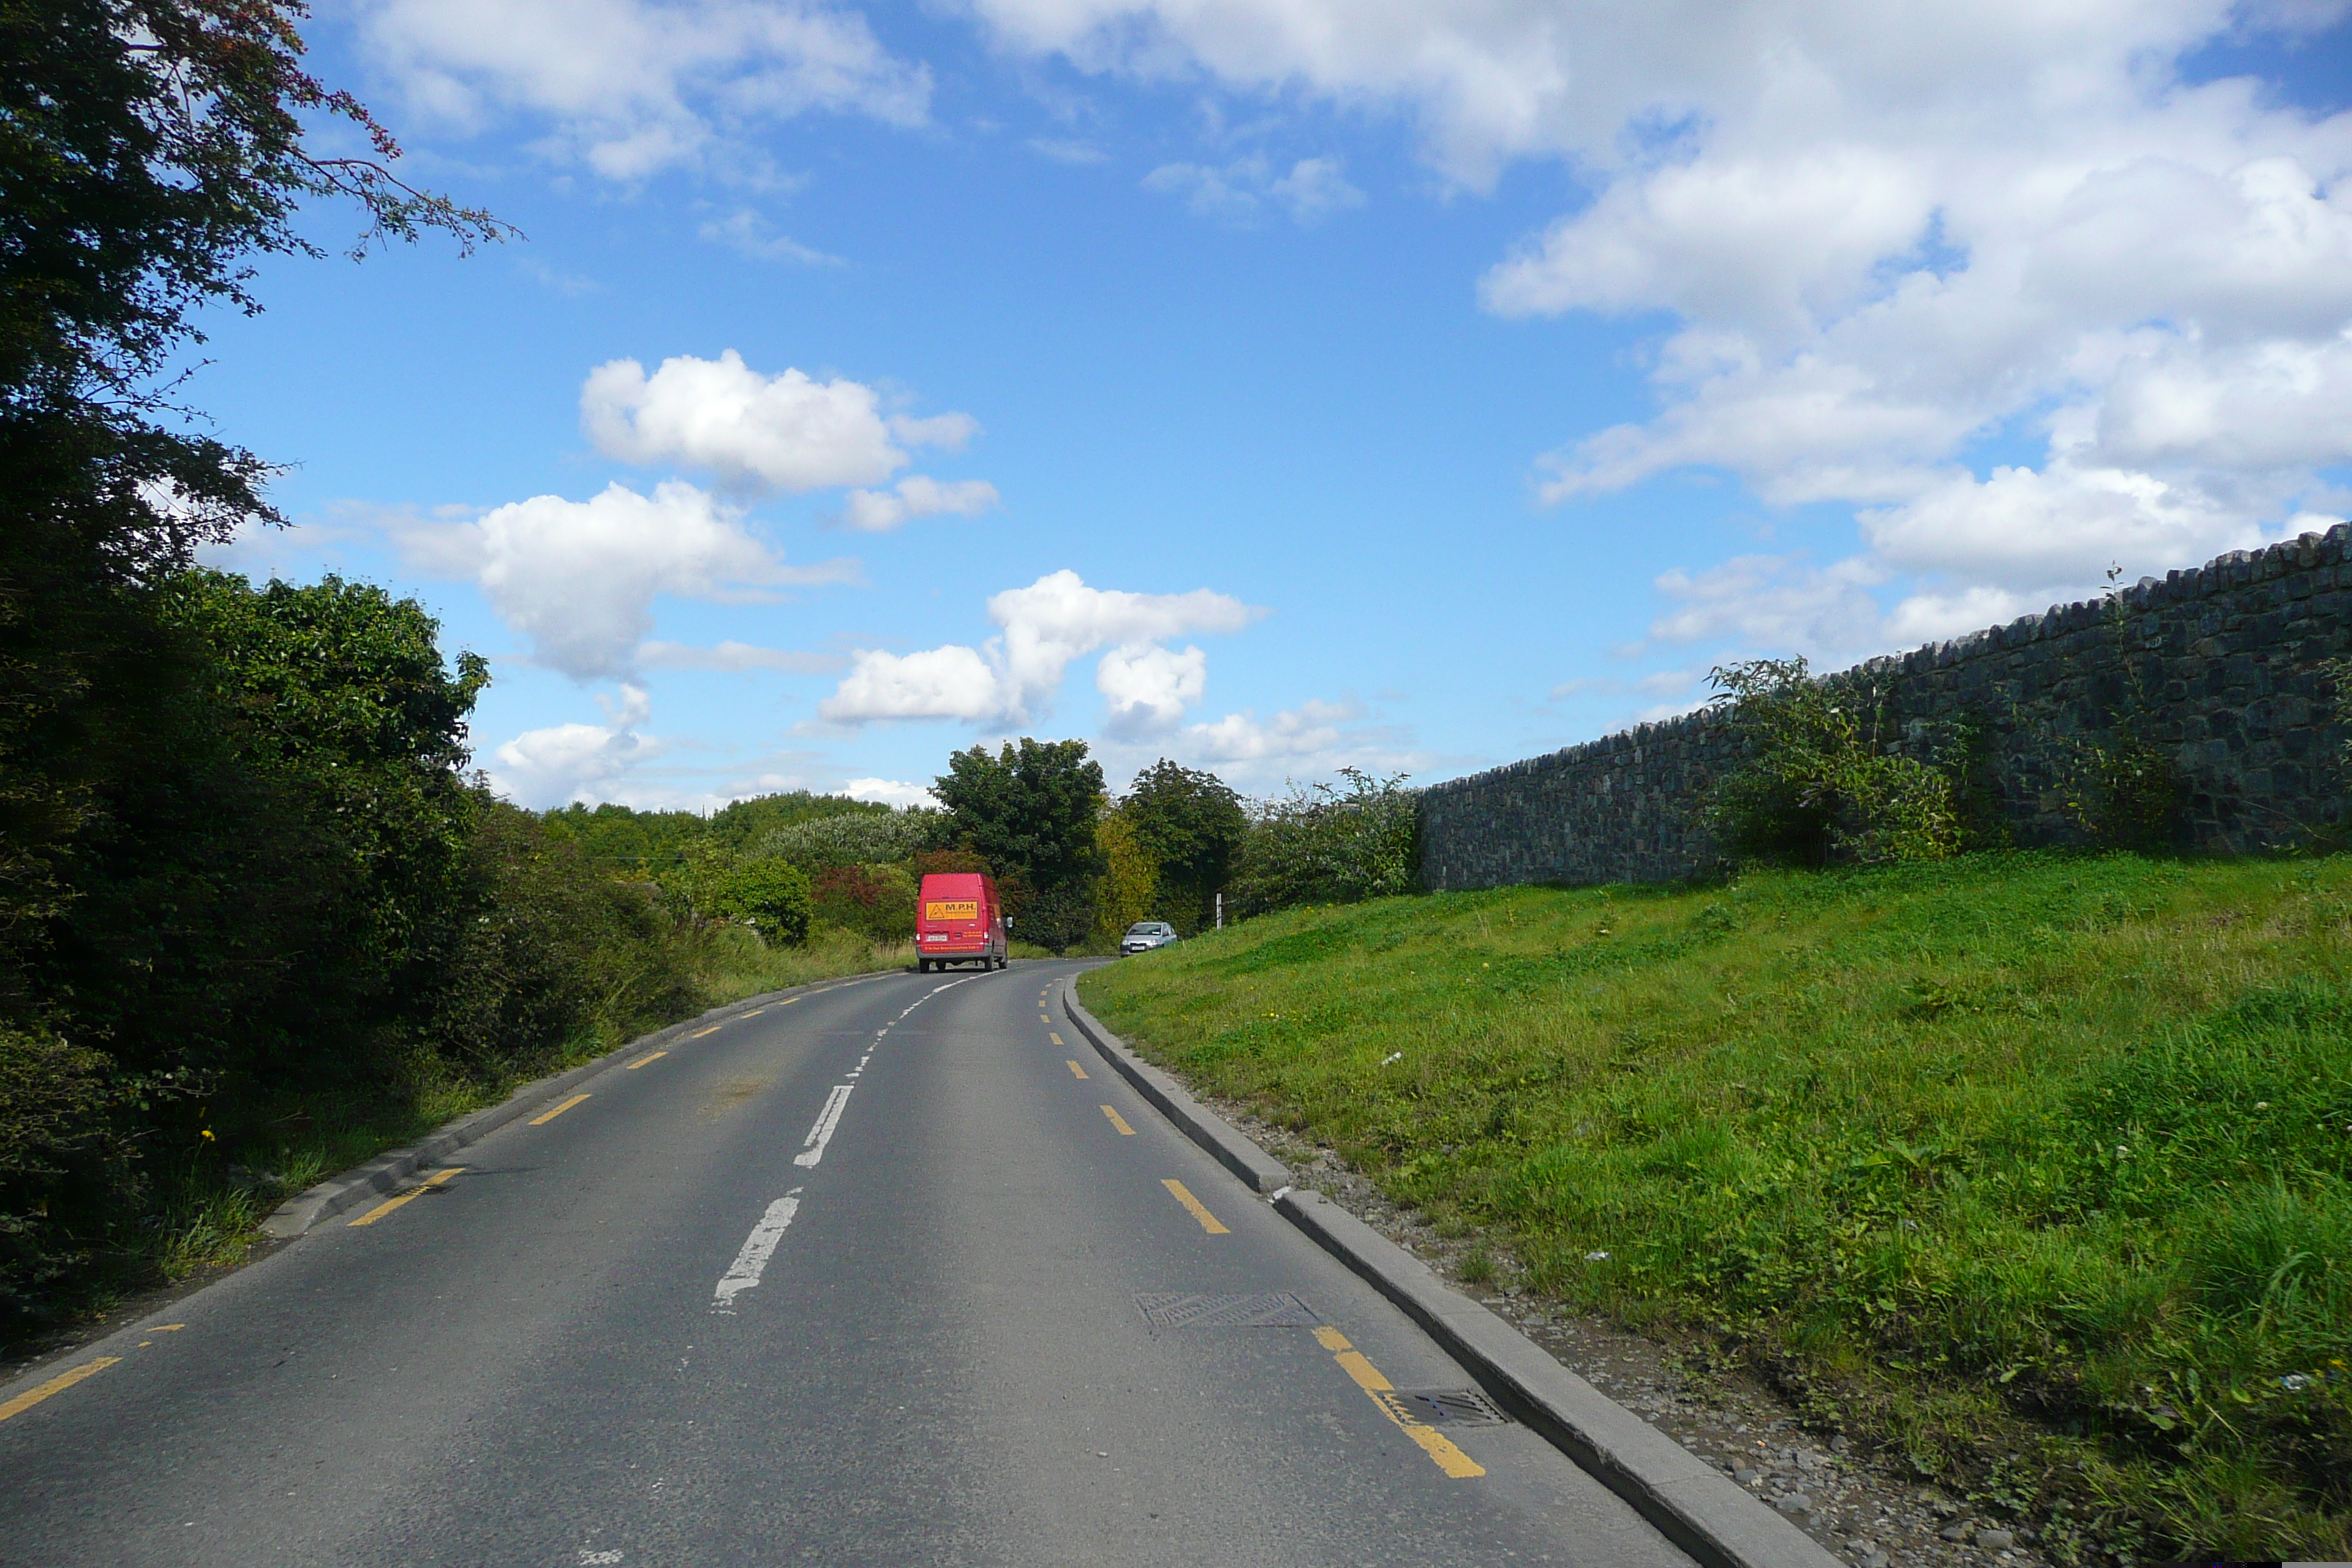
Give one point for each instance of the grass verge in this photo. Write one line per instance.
(2036, 1169)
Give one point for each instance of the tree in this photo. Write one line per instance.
(1030, 813)
(148, 148)
(1191, 824)
(1130, 878)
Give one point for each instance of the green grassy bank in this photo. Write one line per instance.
(2038, 1169)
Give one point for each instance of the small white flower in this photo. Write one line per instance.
(2262, 1105)
(1391, 1056)
(1596, 1258)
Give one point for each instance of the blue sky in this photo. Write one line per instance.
(1284, 384)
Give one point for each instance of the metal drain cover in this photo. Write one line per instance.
(1262, 1310)
(1443, 1407)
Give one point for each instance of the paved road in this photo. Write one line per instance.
(853, 1281)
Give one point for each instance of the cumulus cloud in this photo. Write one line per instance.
(878, 511)
(1148, 689)
(890, 792)
(549, 767)
(1774, 601)
(1880, 237)
(1313, 189)
(578, 579)
(755, 433)
(1044, 628)
(628, 87)
(1309, 729)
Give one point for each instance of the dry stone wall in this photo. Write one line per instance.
(2222, 667)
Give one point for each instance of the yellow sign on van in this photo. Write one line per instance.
(952, 909)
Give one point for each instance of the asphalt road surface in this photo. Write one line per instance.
(860, 1279)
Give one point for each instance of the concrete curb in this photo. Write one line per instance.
(1244, 1158)
(314, 1205)
(1693, 1504)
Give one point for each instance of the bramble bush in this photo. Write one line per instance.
(1817, 785)
(1326, 844)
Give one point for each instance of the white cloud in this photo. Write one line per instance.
(754, 433)
(1309, 730)
(747, 232)
(890, 792)
(1879, 235)
(2029, 531)
(735, 656)
(1149, 687)
(1774, 602)
(1044, 626)
(878, 511)
(579, 578)
(632, 87)
(542, 768)
(1314, 188)
(938, 683)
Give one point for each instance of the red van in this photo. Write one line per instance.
(959, 921)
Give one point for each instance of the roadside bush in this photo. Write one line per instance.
(875, 901)
(1330, 844)
(770, 894)
(852, 839)
(558, 958)
(1816, 786)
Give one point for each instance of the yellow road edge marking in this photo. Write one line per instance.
(1200, 1210)
(1441, 1449)
(1457, 1465)
(389, 1204)
(543, 1120)
(1052, 1036)
(699, 1033)
(1078, 1069)
(1367, 1377)
(649, 1057)
(1118, 1121)
(57, 1384)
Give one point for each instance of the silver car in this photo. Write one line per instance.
(1145, 935)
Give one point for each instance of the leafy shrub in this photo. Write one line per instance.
(851, 838)
(557, 956)
(1816, 786)
(772, 895)
(1328, 844)
(875, 901)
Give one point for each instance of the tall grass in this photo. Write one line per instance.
(2037, 1168)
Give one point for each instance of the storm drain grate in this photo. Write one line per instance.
(1443, 1407)
(1263, 1310)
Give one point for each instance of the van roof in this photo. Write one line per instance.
(952, 883)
